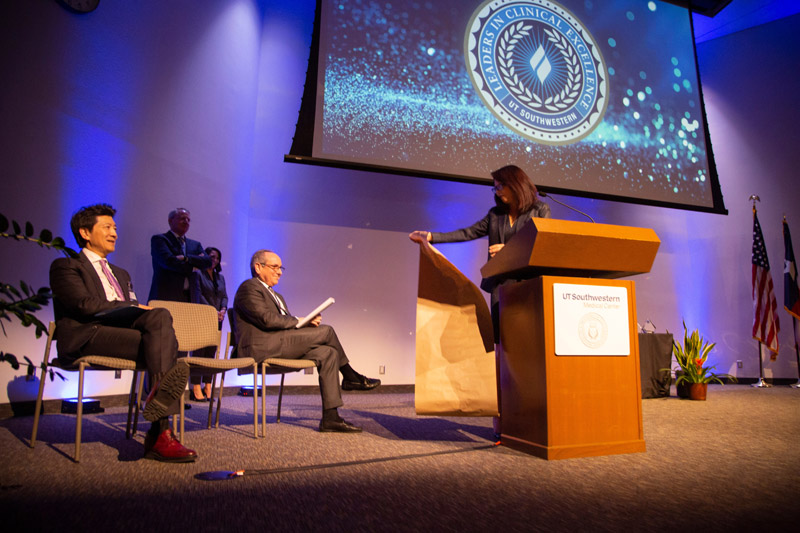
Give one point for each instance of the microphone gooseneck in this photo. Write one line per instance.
(544, 195)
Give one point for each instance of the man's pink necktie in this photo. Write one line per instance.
(111, 279)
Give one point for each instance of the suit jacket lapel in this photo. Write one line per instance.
(283, 300)
(268, 297)
(91, 274)
(97, 284)
(173, 242)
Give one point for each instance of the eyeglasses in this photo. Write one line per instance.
(498, 188)
(273, 267)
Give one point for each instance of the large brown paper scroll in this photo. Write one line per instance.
(456, 373)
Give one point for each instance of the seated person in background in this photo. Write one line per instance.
(207, 287)
(265, 328)
(96, 313)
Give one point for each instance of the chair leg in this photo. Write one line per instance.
(255, 402)
(211, 400)
(219, 400)
(36, 414)
(280, 398)
(183, 418)
(263, 400)
(131, 401)
(138, 406)
(79, 422)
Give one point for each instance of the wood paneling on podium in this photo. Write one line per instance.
(558, 407)
(555, 247)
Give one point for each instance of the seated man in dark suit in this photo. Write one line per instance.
(97, 313)
(264, 328)
(174, 258)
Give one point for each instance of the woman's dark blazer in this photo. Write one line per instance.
(494, 225)
(203, 290)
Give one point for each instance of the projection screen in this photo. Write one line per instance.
(590, 98)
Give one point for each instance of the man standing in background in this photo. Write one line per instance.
(174, 258)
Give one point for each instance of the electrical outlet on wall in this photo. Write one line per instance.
(382, 369)
(738, 364)
(309, 370)
(117, 374)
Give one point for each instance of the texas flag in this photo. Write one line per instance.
(791, 294)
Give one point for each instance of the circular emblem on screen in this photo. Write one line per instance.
(537, 68)
(592, 330)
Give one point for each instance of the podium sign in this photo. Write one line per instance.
(590, 320)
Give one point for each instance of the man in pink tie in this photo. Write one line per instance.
(97, 313)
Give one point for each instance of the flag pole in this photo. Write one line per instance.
(790, 291)
(760, 383)
(797, 353)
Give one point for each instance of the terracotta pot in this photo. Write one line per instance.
(697, 391)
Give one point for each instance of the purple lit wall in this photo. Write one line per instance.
(153, 105)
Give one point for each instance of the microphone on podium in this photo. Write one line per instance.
(544, 195)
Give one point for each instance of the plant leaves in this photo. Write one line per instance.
(28, 229)
(46, 236)
(3, 223)
(13, 290)
(11, 359)
(17, 229)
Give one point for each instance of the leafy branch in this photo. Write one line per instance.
(44, 240)
(22, 302)
(11, 359)
(13, 303)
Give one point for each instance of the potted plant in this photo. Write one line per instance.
(693, 375)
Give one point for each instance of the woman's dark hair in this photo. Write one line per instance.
(514, 178)
(86, 218)
(209, 249)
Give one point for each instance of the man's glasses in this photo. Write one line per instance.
(273, 267)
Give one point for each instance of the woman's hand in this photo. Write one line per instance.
(493, 249)
(420, 236)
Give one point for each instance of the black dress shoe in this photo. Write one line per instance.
(339, 426)
(195, 398)
(363, 383)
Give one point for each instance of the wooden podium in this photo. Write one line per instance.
(559, 405)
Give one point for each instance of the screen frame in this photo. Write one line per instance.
(302, 142)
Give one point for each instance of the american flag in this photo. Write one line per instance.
(765, 324)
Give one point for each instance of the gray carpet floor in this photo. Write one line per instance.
(731, 463)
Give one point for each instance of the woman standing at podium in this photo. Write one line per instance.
(516, 202)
